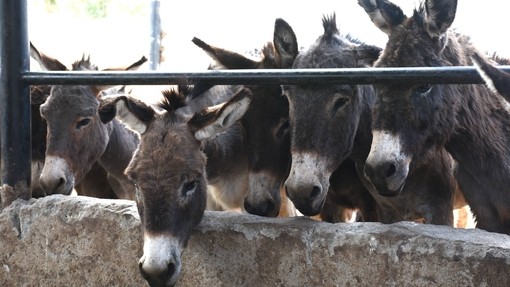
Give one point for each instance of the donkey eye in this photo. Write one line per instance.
(340, 103)
(189, 186)
(423, 89)
(83, 123)
(284, 128)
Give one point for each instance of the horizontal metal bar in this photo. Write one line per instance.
(417, 75)
(438, 75)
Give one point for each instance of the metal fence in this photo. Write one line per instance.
(16, 79)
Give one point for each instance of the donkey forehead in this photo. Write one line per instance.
(161, 143)
(410, 47)
(71, 98)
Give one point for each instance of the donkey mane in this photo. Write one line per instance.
(174, 99)
(84, 64)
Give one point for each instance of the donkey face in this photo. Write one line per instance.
(168, 170)
(266, 121)
(409, 119)
(324, 119)
(76, 138)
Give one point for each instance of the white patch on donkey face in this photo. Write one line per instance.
(387, 147)
(159, 252)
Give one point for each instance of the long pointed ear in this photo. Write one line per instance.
(46, 62)
(225, 58)
(132, 112)
(439, 15)
(497, 80)
(131, 67)
(217, 119)
(384, 14)
(99, 88)
(285, 43)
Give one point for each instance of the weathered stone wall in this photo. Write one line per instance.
(80, 241)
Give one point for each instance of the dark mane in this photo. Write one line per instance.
(174, 99)
(84, 65)
(330, 28)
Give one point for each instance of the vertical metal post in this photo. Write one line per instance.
(14, 102)
(155, 35)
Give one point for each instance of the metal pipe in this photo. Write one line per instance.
(416, 75)
(155, 35)
(14, 102)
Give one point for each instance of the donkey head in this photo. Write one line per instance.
(408, 119)
(324, 118)
(168, 170)
(76, 138)
(266, 121)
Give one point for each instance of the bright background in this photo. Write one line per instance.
(117, 32)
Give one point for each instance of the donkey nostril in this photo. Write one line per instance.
(392, 169)
(140, 268)
(316, 191)
(61, 181)
(170, 271)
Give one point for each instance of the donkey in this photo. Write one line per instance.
(341, 130)
(410, 120)
(76, 138)
(266, 140)
(169, 170)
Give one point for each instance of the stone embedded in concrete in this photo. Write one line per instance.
(80, 241)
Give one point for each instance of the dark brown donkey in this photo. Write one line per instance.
(341, 132)
(77, 141)
(265, 142)
(410, 120)
(169, 170)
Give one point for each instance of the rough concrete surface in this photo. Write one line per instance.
(81, 241)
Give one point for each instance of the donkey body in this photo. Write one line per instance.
(342, 129)
(410, 120)
(264, 141)
(77, 141)
(169, 170)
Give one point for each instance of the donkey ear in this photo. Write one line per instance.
(217, 119)
(135, 114)
(497, 80)
(439, 15)
(285, 42)
(46, 62)
(385, 15)
(225, 58)
(99, 88)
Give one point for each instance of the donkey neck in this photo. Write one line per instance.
(363, 140)
(119, 151)
(481, 140)
(225, 154)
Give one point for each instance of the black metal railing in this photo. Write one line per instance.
(16, 79)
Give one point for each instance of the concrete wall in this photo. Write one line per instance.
(80, 241)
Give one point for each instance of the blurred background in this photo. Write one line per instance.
(118, 32)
